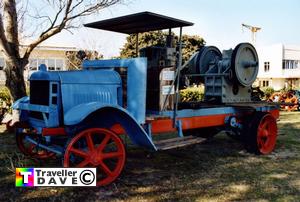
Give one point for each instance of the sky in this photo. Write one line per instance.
(217, 21)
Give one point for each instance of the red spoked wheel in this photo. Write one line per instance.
(31, 149)
(276, 97)
(100, 148)
(291, 99)
(262, 133)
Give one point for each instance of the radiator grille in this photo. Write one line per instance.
(39, 92)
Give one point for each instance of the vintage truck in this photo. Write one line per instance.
(79, 115)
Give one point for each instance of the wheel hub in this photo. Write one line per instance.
(96, 158)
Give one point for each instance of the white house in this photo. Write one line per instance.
(53, 56)
(279, 66)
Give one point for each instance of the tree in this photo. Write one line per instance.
(61, 16)
(154, 38)
(157, 38)
(190, 45)
(75, 58)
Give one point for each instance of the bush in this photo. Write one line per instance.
(268, 91)
(192, 94)
(288, 89)
(5, 101)
(5, 95)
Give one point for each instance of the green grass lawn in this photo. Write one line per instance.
(218, 170)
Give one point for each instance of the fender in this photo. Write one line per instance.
(16, 104)
(109, 115)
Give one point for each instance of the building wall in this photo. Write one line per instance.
(278, 83)
(291, 57)
(279, 66)
(274, 55)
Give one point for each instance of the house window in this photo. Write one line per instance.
(59, 64)
(267, 66)
(290, 64)
(2, 63)
(32, 64)
(265, 83)
(296, 64)
(51, 64)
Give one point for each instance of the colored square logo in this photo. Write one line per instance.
(24, 177)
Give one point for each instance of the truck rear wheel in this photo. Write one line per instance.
(31, 149)
(261, 133)
(100, 148)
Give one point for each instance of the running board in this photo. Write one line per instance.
(177, 142)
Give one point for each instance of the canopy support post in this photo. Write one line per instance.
(137, 45)
(177, 77)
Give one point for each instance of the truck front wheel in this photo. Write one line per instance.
(100, 148)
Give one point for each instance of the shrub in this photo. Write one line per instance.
(5, 100)
(192, 94)
(268, 91)
(5, 95)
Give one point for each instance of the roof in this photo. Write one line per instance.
(138, 23)
(51, 44)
